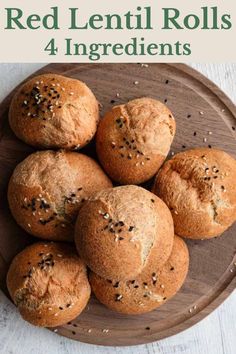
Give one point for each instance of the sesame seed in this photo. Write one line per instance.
(29, 225)
(106, 216)
(105, 330)
(136, 82)
(71, 93)
(204, 140)
(89, 330)
(162, 286)
(144, 65)
(55, 330)
(209, 133)
(56, 314)
(201, 113)
(194, 307)
(190, 310)
(59, 255)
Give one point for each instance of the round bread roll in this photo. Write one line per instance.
(48, 188)
(199, 188)
(118, 230)
(151, 289)
(48, 283)
(53, 111)
(134, 139)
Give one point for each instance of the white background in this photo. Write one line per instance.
(214, 335)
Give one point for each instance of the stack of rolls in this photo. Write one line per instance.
(127, 248)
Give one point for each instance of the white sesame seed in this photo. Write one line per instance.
(172, 153)
(201, 113)
(117, 95)
(190, 310)
(144, 65)
(106, 216)
(71, 93)
(209, 133)
(231, 270)
(29, 114)
(37, 82)
(55, 330)
(162, 286)
(105, 330)
(204, 140)
(49, 309)
(56, 314)
(142, 163)
(59, 255)
(136, 82)
(89, 330)
(29, 225)
(194, 307)
(63, 88)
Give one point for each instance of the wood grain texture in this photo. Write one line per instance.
(159, 348)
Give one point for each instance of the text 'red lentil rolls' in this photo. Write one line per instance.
(48, 283)
(199, 188)
(151, 289)
(48, 188)
(134, 139)
(53, 111)
(119, 229)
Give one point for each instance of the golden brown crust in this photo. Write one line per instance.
(151, 289)
(119, 229)
(48, 188)
(53, 111)
(134, 139)
(199, 188)
(48, 283)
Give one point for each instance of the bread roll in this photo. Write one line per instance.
(48, 283)
(48, 188)
(200, 190)
(119, 229)
(134, 139)
(151, 289)
(53, 111)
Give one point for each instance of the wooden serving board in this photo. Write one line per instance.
(205, 117)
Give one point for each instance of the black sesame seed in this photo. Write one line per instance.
(121, 223)
(164, 298)
(73, 332)
(136, 286)
(172, 268)
(132, 281)
(109, 281)
(116, 285)
(121, 238)
(195, 133)
(189, 116)
(233, 128)
(209, 146)
(167, 81)
(131, 228)
(183, 146)
(152, 200)
(166, 100)
(112, 101)
(148, 328)
(75, 325)
(60, 308)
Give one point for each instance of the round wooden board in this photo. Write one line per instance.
(198, 106)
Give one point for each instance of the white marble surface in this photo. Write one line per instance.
(216, 334)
